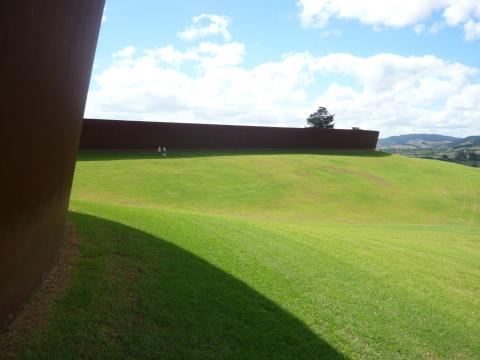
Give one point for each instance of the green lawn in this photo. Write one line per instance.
(284, 255)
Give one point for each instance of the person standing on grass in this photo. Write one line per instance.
(164, 153)
(160, 150)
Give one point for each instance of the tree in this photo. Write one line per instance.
(472, 155)
(321, 119)
(461, 156)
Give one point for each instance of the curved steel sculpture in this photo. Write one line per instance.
(47, 50)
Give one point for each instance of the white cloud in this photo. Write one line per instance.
(403, 94)
(214, 55)
(207, 25)
(396, 13)
(393, 13)
(472, 30)
(460, 11)
(207, 54)
(172, 56)
(332, 32)
(151, 88)
(419, 28)
(126, 52)
(392, 93)
(104, 15)
(436, 27)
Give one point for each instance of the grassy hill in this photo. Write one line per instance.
(434, 147)
(471, 142)
(415, 141)
(270, 256)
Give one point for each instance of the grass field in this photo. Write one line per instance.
(270, 256)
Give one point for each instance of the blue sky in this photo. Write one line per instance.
(406, 67)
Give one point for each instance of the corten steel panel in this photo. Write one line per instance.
(46, 55)
(112, 134)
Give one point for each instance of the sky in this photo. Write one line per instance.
(398, 66)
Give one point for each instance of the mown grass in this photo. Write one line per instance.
(270, 255)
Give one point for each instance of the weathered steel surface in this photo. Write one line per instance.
(112, 134)
(47, 49)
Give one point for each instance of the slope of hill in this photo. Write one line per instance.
(465, 151)
(417, 140)
(471, 142)
(270, 255)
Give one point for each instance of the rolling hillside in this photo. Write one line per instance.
(463, 151)
(283, 255)
(413, 141)
(468, 142)
(428, 142)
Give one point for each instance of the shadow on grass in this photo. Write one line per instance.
(178, 154)
(134, 295)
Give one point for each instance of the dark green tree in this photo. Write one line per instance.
(321, 119)
(461, 156)
(472, 155)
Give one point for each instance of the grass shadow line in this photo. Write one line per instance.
(134, 295)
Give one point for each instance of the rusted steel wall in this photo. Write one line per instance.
(47, 50)
(113, 134)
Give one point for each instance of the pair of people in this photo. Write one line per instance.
(162, 150)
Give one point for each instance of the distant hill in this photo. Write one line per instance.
(468, 142)
(418, 141)
(434, 146)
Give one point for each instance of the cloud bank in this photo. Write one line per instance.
(394, 13)
(392, 93)
(209, 83)
(207, 25)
